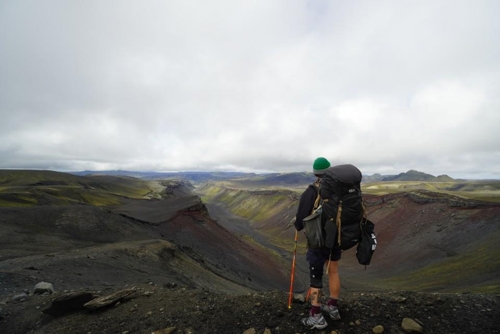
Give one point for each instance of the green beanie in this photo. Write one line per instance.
(320, 165)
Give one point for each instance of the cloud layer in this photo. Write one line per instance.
(251, 86)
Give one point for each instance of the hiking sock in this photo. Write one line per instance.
(315, 310)
(332, 302)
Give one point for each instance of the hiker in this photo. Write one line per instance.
(318, 258)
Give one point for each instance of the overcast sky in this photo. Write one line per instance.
(262, 86)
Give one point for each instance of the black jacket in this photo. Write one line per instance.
(306, 205)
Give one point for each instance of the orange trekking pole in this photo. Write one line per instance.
(293, 271)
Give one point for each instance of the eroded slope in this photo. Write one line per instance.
(428, 240)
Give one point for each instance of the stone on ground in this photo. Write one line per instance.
(43, 287)
(168, 330)
(411, 326)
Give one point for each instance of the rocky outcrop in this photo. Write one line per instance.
(112, 299)
(421, 196)
(176, 188)
(198, 207)
(69, 302)
(425, 196)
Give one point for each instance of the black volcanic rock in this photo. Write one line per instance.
(70, 302)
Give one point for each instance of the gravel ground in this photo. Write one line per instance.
(182, 310)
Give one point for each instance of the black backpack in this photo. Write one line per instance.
(339, 217)
(342, 206)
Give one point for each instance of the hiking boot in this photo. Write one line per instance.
(333, 311)
(315, 321)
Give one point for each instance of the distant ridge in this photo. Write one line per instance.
(296, 178)
(411, 175)
(373, 178)
(189, 176)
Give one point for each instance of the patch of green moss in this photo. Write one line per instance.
(17, 199)
(100, 199)
(21, 188)
(475, 190)
(14, 204)
(481, 261)
(272, 252)
(257, 207)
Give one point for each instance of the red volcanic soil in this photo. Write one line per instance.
(430, 230)
(457, 239)
(199, 235)
(188, 225)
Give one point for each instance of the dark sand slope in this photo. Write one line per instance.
(99, 248)
(197, 234)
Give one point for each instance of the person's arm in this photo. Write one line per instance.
(306, 205)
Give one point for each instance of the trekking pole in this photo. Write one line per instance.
(290, 296)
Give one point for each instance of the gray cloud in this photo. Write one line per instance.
(259, 86)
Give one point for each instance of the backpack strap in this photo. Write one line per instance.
(365, 215)
(339, 222)
(316, 185)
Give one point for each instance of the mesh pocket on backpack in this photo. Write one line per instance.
(314, 231)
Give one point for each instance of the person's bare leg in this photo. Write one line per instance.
(315, 296)
(315, 318)
(333, 279)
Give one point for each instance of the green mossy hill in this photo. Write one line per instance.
(484, 190)
(276, 180)
(36, 177)
(254, 205)
(34, 187)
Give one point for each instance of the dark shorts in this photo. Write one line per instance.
(317, 259)
(321, 255)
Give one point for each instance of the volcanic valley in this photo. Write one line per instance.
(206, 253)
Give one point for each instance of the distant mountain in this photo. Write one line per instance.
(373, 178)
(302, 178)
(189, 176)
(282, 179)
(413, 175)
